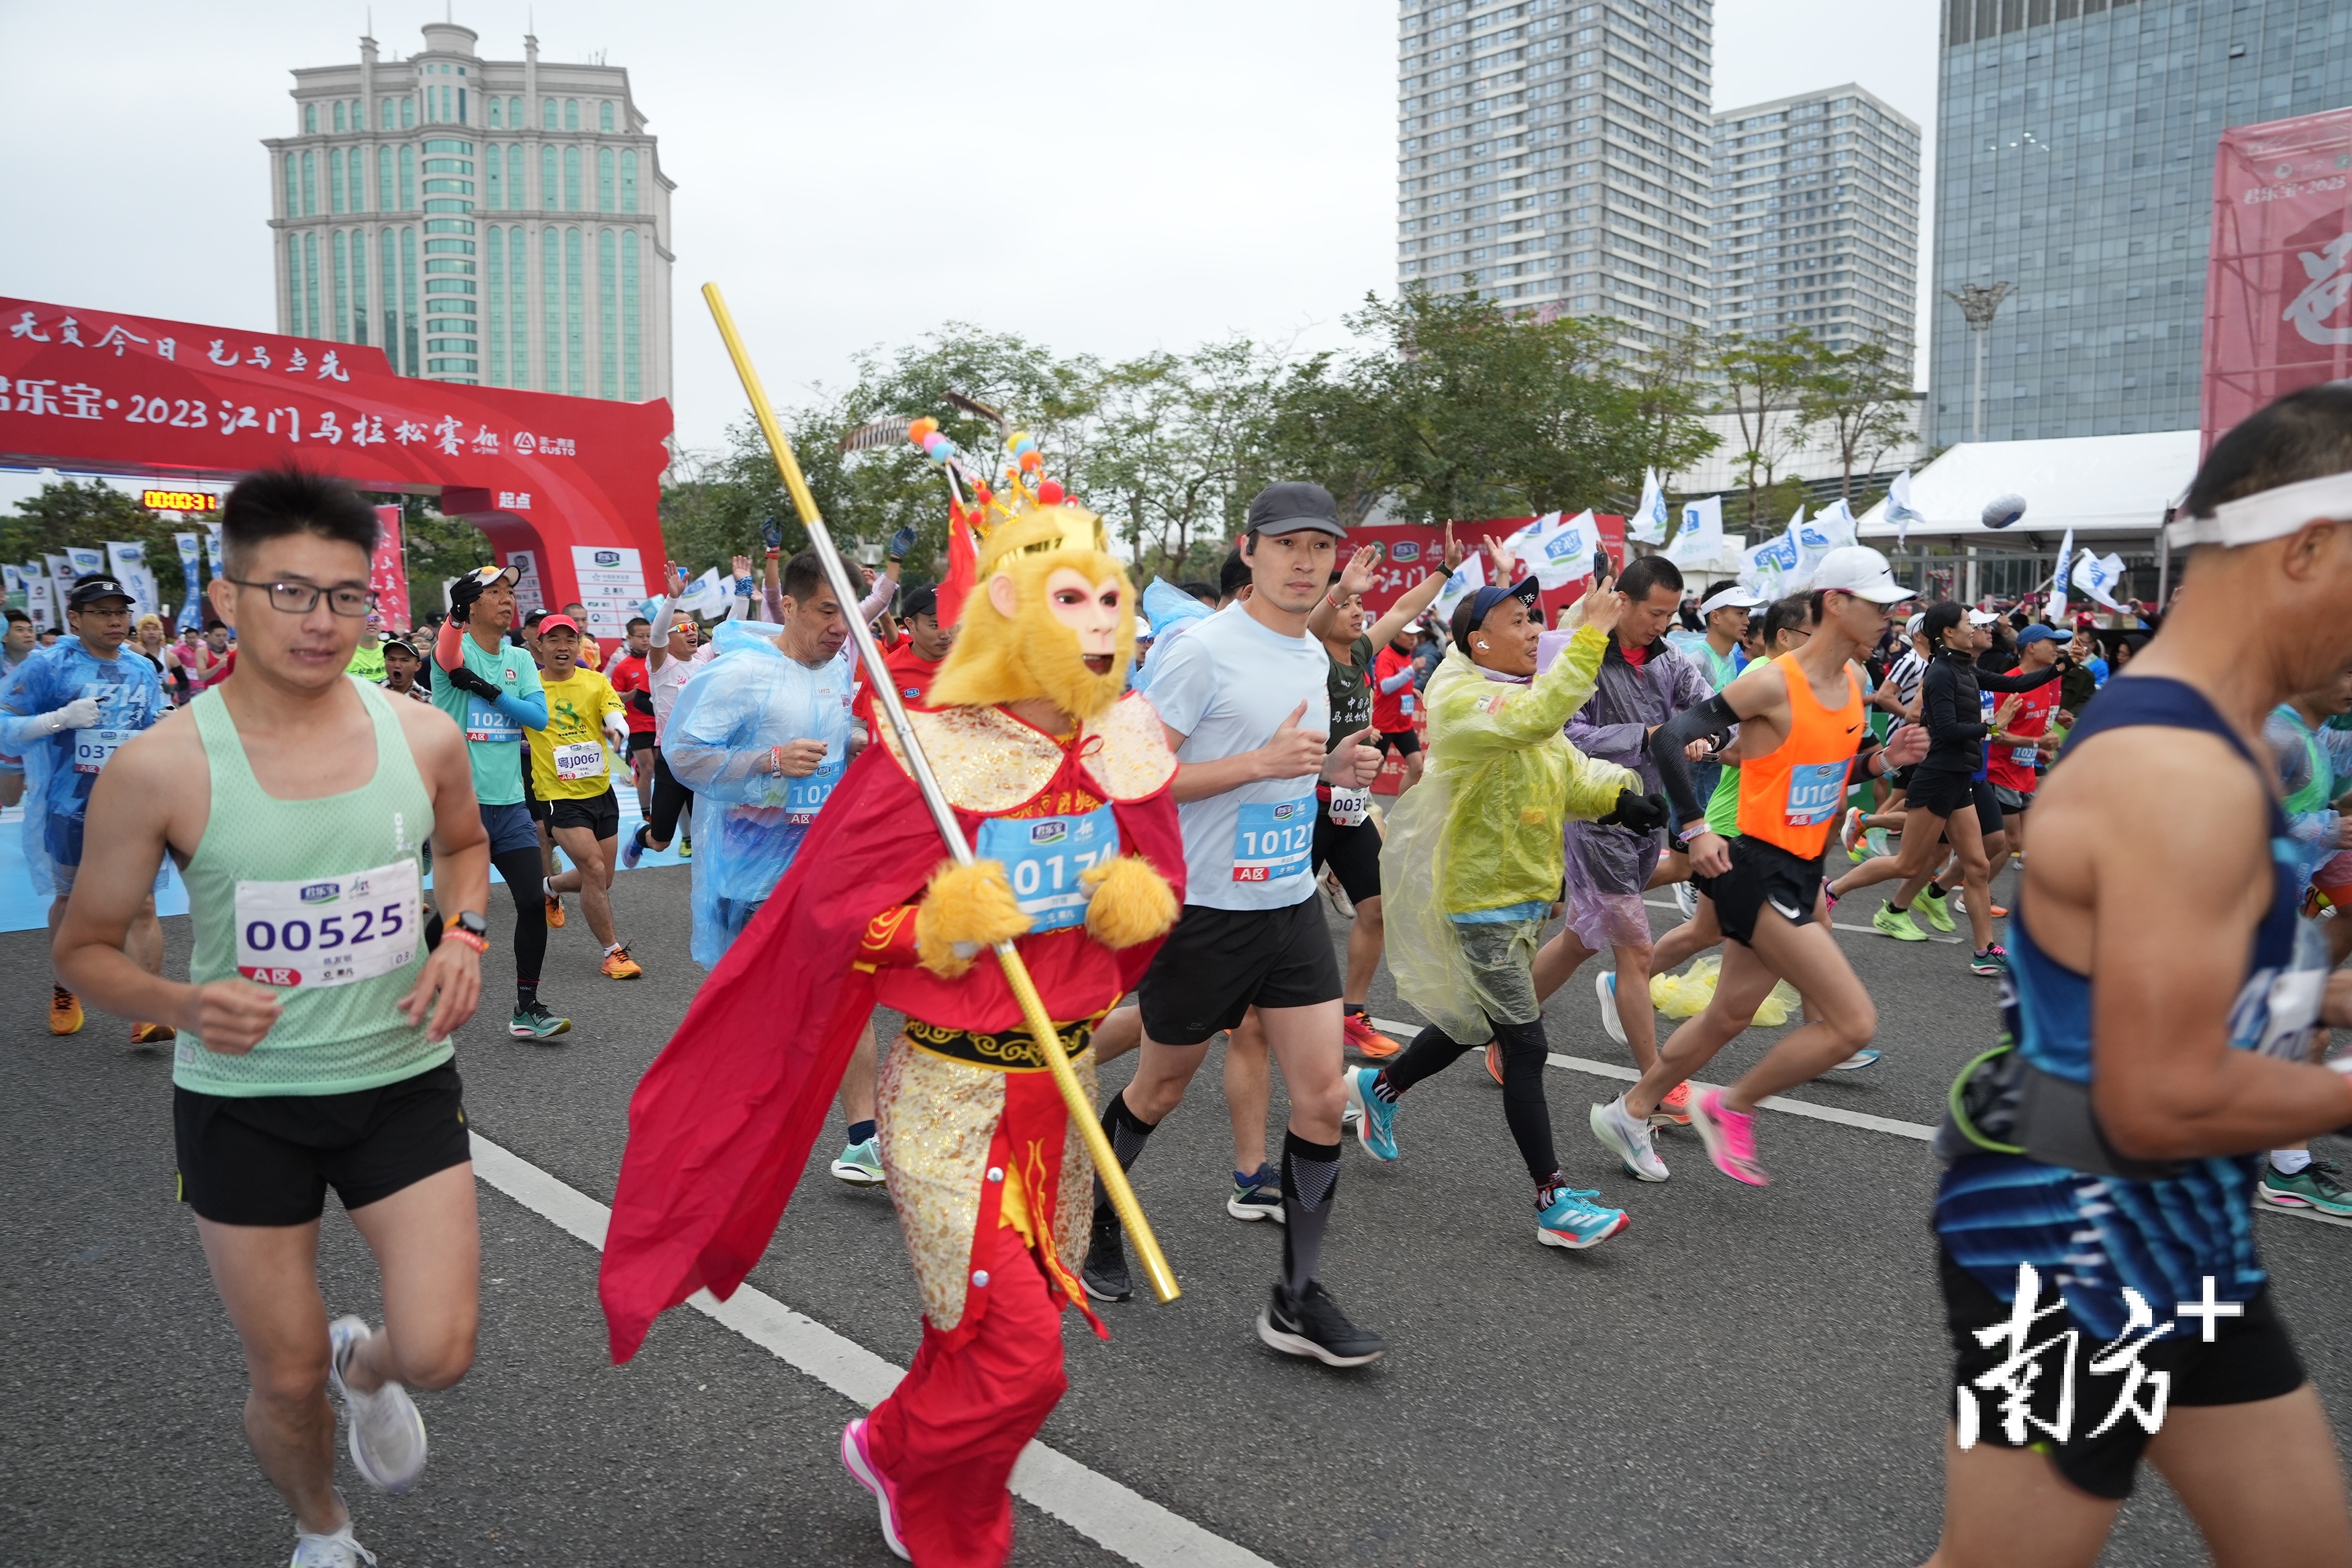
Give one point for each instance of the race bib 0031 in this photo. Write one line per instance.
(328, 931)
(1816, 790)
(1045, 856)
(578, 758)
(1349, 807)
(1274, 840)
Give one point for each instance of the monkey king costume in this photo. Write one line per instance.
(1079, 859)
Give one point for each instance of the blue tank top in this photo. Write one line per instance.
(2093, 1236)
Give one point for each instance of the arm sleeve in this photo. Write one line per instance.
(874, 603)
(664, 619)
(1940, 707)
(1709, 721)
(448, 644)
(1399, 681)
(2013, 682)
(1482, 720)
(527, 703)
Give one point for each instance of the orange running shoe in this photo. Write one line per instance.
(1495, 1060)
(1364, 1040)
(619, 965)
(1674, 1111)
(64, 1011)
(152, 1033)
(554, 913)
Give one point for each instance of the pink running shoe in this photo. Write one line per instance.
(1729, 1137)
(862, 1469)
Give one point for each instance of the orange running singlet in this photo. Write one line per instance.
(1791, 797)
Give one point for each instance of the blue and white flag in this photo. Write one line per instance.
(2058, 580)
(192, 614)
(1898, 507)
(1648, 523)
(1468, 579)
(2099, 576)
(1701, 536)
(1557, 548)
(129, 560)
(213, 567)
(1765, 567)
(81, 560)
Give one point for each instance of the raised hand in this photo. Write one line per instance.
(1361, 570)
(1352, 765)
(1294, 752)
(1456, 551)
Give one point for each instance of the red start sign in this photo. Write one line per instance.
(567, 488)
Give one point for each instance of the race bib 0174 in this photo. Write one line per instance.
(1045, 856)
(328, 931)
(1274, 840)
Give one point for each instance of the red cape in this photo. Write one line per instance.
(721, 1125)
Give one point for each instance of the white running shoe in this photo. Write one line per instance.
(1628, 1140)
(336, 1550)
(1604, 985)
(1686, 900)
(387, 1440)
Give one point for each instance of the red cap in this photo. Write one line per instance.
(553, 622)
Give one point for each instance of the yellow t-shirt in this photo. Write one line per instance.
(568, 758)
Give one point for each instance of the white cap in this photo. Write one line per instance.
(1142, 629)
(1911, 627)
(1983, 617)
(1731, 597)
(1860, 571)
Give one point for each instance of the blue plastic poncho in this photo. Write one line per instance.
(749, 821)
(1169, 610)
(60, 769)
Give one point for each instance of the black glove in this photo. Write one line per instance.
(773, 532)
(1640, 813)
(642, 702)
(901, 542)
(465, 679)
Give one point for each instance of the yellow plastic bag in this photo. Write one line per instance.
(1686, 995)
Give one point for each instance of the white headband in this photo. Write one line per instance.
(2267, 514)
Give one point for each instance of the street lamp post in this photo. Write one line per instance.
(1980, 302)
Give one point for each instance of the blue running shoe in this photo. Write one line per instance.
(633, 849)
(1375, 1117)
(1573, 1220)
(1860, 1060)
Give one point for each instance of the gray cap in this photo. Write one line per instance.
(1293, 505)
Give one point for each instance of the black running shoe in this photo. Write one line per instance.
(1104, 1273)
(1313, 1326)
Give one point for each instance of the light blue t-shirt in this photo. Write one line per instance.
(1227, 685)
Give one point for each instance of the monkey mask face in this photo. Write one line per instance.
(1054, 618)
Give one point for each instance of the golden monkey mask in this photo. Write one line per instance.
(1052, 615)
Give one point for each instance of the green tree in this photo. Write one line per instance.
(1170, 444)
(1762, 380)
(70, 512)
(1863, 403)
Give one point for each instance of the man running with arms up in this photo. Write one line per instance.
(2160, 1013)
(296, 800)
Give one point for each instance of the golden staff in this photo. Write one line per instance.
(886, 693)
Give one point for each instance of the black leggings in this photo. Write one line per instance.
(670, 799)
(1524, 1106)
(524, 871)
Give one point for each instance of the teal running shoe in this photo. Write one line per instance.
(1375, 1117)
(536, 1022)
(2316, 1186)
(1568, 1218)
(860, 1164)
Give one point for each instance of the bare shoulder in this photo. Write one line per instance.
(1761, 688)
(161, 752)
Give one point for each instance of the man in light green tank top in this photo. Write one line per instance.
(313, 1048)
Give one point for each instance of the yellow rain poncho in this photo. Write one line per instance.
(1482, 830)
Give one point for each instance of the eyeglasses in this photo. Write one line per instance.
(301, 599)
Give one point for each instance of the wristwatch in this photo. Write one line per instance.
(471, 929)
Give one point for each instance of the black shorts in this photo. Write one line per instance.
(1406, 741)
(1901, 777)
(530, 801)
(1353, 852)
(1219, 963)
(2250, 1358)
(600, 814)
(269, 1160)
(1944, 794)
(640, 741)
(2012, 802)
(1762, 873)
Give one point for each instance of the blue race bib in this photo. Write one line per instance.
(1274, 841)
(803, 798)
(1045, 856)
(1816, 790)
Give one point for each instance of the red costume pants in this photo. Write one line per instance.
(948, 1435)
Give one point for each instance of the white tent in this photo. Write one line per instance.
(2096, 485)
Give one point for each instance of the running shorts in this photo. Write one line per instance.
(1901, 777)
(1219, 963)
(2250, 1358)
(601, 814)
(1988, 802)
(640, 741)
(530, 801)
(508, 827)
(1944, 794)
(1353, 853)
(2011, 802)
(1762, 873)
(1406, 741)
(269, 1159)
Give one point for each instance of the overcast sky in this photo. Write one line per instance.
(1105, 177)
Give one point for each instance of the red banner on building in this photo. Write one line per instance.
(2278, 275)
(561, 482)
(1415, 550)
(388, 572)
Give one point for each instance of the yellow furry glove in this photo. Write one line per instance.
(964, 910)
(1131, 903)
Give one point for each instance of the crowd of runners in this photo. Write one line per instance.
(2152, 1034)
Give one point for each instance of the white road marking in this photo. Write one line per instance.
(1099, 1507)
(1840, 925)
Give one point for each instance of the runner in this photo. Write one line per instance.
(1473, 860)
(66, 712)
(678, 650)
(492, 689)
(401, 666)
(763, 735)
(631, 677)
(22, 638)
(572, 773)
(2163, 1006)
(1802, 727)
(1243, 696)
(1864, 833)
(915, 662)
(1643, 683)
(2018, 745)
(335, 1069)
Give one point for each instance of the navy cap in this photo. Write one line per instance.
(1472, 612)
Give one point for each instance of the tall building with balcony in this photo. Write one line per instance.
(491, 222)
(2074, 164)
(1554, 155)
(1817, 221)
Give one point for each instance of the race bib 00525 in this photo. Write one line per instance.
(328, 931)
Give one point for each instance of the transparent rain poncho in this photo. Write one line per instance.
(61, 768)
(1169, 610)
(749, 820)
(1481, 830)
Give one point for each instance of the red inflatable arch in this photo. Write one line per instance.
(566, 488)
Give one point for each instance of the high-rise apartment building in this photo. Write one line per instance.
(494, 222)
(1817, 220)
(1554, 155)
(2074, 164)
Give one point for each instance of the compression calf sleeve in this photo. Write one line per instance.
(1127, 1133)
(1710, 720)
(1311, 1186)
(1525, 1109)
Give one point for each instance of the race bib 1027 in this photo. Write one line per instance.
(1274, 840)
(328, 931)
